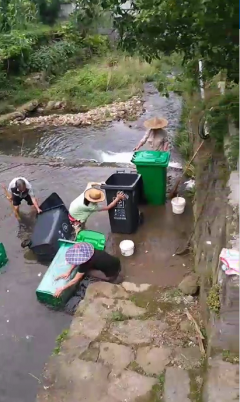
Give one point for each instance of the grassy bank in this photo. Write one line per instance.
(102, 81)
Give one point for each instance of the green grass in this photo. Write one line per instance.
(156, 394)
(103, 81)
(213, 299)
(118, 316)
(230, 357)
(59, 340)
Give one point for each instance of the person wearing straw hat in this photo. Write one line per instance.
(88, 202)
(93, 263)
(155, 136)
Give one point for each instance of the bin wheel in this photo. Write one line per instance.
(141, 218)
(26, 243)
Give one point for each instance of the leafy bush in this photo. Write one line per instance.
(51, 58)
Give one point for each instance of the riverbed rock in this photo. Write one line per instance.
(189, 284)
(129, 386)
(105, 289)
(136, 288)
(87, 327)
(97, 116)
(29, 106)
(153, 360)
(118, 356)
(103, 307)
(50, 106)
(138, 332)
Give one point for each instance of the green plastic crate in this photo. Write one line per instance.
(48, 286)
(152, 165)
(97, 239)
(3, 256)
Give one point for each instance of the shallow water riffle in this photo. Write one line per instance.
(111, 143)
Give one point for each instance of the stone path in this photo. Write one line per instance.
(134, 344)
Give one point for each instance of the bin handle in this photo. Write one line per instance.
(120, 171)
(134, 171)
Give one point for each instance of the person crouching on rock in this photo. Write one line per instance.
(156, 136)
(93, 263)
(88, 202)
(20, 189)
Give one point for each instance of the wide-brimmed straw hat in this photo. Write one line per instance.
(79, 253)
(155, 123)
(94, 195)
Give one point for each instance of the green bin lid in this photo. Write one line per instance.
(151, 158)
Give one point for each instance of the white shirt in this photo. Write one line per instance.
(12, 185)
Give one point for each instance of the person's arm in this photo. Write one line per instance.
(66, 275)
(119, 197)
(143, 141)
(35, 203)
(71, 283)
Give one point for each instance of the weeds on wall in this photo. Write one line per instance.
(220, 110)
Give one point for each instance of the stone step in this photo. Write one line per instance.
(177, 385)
(222, 383)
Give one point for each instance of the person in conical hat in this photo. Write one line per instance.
(156, 135)
(88, 202)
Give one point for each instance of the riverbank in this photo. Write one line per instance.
(129, 110)
(135, 343)
(103, 80)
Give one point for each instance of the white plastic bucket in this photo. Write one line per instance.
(178, 205)
(127, 248)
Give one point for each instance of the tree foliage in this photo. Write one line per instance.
(206, 29)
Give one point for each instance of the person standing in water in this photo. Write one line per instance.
(156, 136)
(20, 189)
(88, 202)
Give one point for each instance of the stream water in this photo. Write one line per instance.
(28, 329)
(109, 144)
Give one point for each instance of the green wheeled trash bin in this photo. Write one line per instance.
(152, 165)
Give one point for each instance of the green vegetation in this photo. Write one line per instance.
(183, 138)
(118, 316)
(199, 30)
(103, 81)
(59, 340)
(219, 111)
(157, 391)
(213, 299)
(230, 357)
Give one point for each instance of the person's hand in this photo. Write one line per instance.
(39, 211)
(58, 292)
(63, 276)
(120, 196)
(135, 149)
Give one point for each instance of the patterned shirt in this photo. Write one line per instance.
(155, 139)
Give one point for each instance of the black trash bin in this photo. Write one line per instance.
(52, 224)
(124, 217)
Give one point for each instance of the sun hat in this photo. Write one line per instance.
(79, 253)
(155, 123)
(94, 195)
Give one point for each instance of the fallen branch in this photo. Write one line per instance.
(200, 336)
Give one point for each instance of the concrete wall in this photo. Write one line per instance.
(216, 219)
